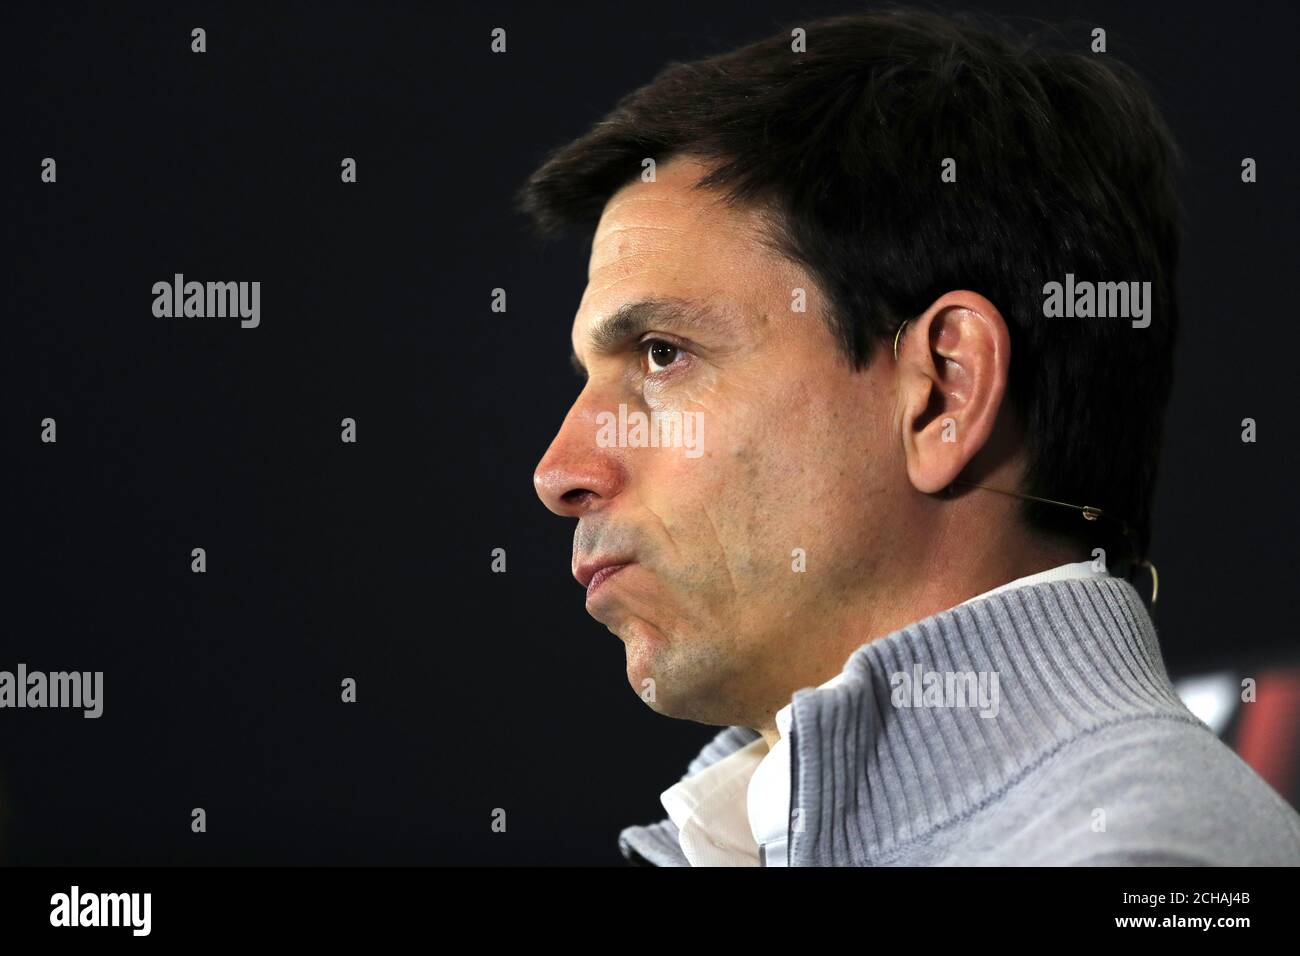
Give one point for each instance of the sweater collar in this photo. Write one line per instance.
(873, 773)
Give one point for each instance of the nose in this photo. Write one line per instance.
(576, 475)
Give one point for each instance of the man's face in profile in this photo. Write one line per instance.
(797, 453)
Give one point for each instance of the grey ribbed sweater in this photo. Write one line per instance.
(1091, 758)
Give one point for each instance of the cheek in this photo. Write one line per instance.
(743, 495)
(796, 480)
(773, 476)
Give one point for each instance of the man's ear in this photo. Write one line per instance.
(953, 361)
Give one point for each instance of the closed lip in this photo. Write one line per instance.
(590, 574)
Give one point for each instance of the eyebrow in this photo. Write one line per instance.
(636, 318)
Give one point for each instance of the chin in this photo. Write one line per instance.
(645, 647)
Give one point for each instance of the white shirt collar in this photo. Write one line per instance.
(731, 808)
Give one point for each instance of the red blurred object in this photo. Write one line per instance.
(1268, 732)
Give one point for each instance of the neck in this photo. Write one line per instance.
(936, 584)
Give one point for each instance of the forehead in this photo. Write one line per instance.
(667, 240)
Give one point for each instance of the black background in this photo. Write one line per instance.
(326, 560)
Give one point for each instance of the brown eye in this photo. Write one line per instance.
(660, 354)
